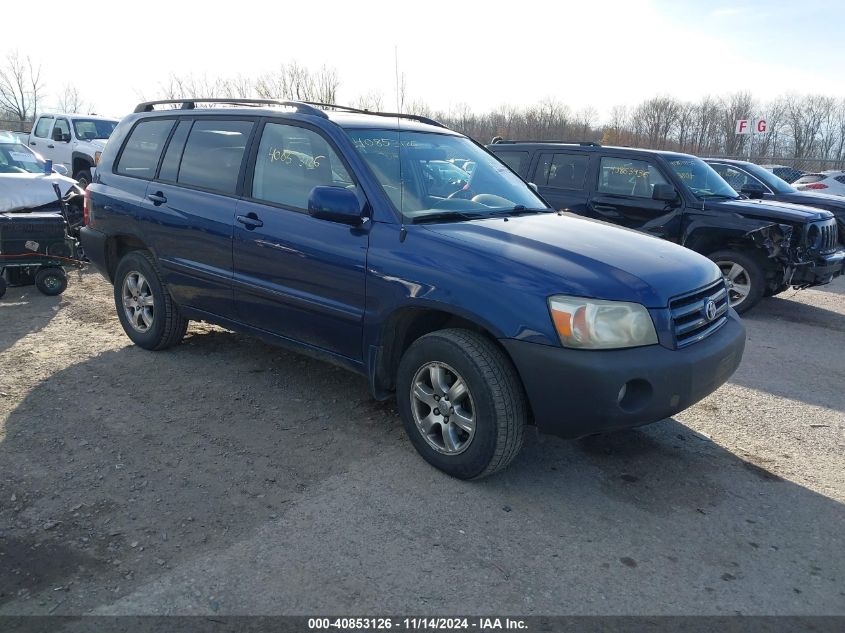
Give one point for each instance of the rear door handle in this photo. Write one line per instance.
(250, 220)
(157, 198)
(32, 143)
(51, 146)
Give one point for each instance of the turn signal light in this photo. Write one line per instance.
(86, 207)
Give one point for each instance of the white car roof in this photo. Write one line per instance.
(69, 115)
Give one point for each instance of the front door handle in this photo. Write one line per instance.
(250, 220)
(606, 209)
(157, 198)
(51, 146)
(32, 143)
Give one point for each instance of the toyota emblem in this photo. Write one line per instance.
(710, 309)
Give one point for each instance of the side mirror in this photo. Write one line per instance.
(753, 190)
(534, 187)
(664, 192)
(335, 204)
(60, 169)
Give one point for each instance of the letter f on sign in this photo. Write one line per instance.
(742, 126)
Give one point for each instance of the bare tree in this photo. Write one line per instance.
(71, 101)
(21, 87)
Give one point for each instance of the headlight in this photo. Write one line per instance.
(814, 237)
(597, 324)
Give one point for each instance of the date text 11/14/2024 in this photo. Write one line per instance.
(416, 624)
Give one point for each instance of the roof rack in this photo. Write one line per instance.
(581, 143)
(414, 117)
(191, 103)
(304, 107)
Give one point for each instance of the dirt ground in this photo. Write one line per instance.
(228, 476)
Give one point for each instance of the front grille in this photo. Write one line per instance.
(690, 321)
(830, 237)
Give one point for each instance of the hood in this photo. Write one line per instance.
(28, 191)
(834, 204)
(770, 210)
(585, 258)
(98, 144)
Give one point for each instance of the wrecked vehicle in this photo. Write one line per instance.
(762, 247)
(27, 183)
(41, 212)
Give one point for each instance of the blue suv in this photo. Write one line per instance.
(331, 231)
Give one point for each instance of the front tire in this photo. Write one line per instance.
(83, 177)
(744, 276)
(145, 308)
(2, 287)
(462, 403)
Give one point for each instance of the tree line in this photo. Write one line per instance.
(803, 129)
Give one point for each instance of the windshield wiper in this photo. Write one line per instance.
(440, 216)
(517, 210)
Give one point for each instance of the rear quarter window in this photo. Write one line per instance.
(143, 148)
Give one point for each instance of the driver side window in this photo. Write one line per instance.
(735, 178)
(63, 127)
(291, 161)
(628, 177)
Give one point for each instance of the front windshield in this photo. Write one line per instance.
(700, 178)
(776, 184)
(89, 129)
(16, 158)
(420, 174)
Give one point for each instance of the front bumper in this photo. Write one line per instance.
(822, 271)
(577, 392)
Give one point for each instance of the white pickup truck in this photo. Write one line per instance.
(72, 140)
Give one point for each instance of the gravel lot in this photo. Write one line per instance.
(227, 476)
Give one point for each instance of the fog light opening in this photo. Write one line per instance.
(634, 395)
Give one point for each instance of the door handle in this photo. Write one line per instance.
(51, 146)
(157, 198)
(250, 220)
(32, 143)
(606, 209)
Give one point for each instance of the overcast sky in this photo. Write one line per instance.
(597, 52)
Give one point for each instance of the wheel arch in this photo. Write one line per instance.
(117, 246)
(405, 325)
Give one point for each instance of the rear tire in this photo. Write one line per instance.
(51, 281)
(744, 275)
(2, 287)
(145, 308)
(481, 427)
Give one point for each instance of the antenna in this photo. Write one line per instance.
(396, 67)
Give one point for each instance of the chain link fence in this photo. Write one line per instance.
(803, 164)
(8, 125)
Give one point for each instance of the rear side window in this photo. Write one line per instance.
(518, 161)
(291, 161)
(43, 126)
(143, 148)
(213, 155)
(170, 165)
(628, 177)
(840, 179)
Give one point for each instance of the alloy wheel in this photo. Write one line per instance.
(443, 408)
